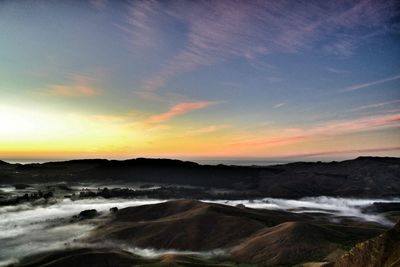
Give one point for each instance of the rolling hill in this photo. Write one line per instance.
(249, 235)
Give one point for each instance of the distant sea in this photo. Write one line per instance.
(28, 161)
(239, 162)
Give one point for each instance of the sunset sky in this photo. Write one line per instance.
(199, 79)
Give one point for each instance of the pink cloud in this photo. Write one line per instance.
(350, 151)
(177, 110)
(271, 141)
(291, 136)
(377, 105)
(358, 125)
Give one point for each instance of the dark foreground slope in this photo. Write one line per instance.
(187, 225)
(290, 243)
(250, 236)
(246, 237)
(362, 177)
(111, 257)
(381, 251)
(83, 257)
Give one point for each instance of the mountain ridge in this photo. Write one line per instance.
(361, 177)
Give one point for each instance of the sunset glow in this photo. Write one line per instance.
(199, 79)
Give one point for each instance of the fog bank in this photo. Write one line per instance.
(29, 228)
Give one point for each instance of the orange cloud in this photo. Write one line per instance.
(206, 130)
(76, 90)
(177, 110)
(79, 87)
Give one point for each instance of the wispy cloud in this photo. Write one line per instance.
(143, 24)
(80, 86)
(177, 110)
(343, 152)
(290, 135)
(73, 90)
(218, 31)
(279, 105)
(376, 105)
(371, 83)
(357, 125)
(338, 71)
(206, 130)
(345, 46)
(99, 4)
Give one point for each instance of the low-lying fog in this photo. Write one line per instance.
(340, 207)
(29, 228)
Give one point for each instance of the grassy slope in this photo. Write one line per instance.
(381, 251)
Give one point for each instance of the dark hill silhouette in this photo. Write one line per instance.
(3, 163)
(361, 177)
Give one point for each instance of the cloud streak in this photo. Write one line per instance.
(207, 130)
(341, 152)
(178, 110)
(279, 105)
(291, 136)
(377, 105)
(372, 83)
(79, 87)
(74, 90)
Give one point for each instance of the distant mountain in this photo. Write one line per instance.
(381, 251)
(361, 177)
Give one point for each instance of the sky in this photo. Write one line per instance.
(199, 79)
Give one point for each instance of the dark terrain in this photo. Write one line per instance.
(362, 177)
(187, 232)
(249, 238)
(256, 235)
(383, 250)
